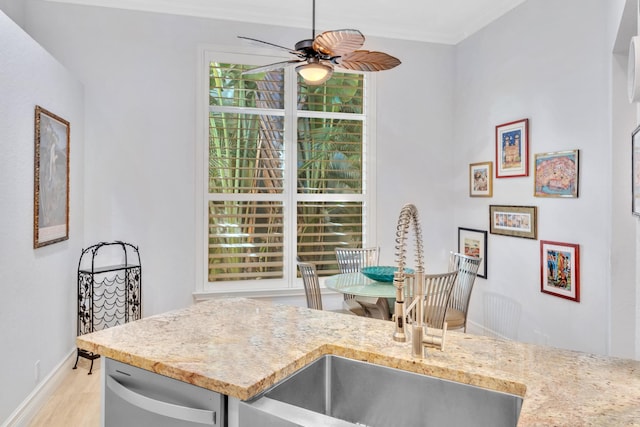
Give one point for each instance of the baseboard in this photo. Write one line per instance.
(39, 396)
(476, 328)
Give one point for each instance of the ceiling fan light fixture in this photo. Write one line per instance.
(314, 72)
(318, 55)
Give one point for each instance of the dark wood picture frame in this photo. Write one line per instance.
(474, 243)
(51, 178)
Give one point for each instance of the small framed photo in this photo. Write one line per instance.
(51, 179)
(512, 149)
(515, 221)
(474, 243)
(481, 179)
(560, 269)
(635, 172)
(556, 174)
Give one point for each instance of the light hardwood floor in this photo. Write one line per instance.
(76, 402)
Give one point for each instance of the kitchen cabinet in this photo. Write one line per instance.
(134, 396)
(241, 347)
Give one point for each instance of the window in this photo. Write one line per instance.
(286, 173)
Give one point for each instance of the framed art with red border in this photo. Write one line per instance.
(512, 149)
(560, 269)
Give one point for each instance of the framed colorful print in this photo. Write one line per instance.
(556, 174)
(481, 179)
(515, 221)
(51, 179)
(560, 269)
(512, 149)
(635, 172)
(474, 243)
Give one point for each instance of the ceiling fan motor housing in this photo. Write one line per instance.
(306, 48)
(305, 45)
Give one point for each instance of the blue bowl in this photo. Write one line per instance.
(382, 273)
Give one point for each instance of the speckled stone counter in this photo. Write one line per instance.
(240, 347)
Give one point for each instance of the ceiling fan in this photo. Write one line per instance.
(319, 55)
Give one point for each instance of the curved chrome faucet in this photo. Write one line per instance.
(408, 217)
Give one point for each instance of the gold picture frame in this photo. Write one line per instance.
(515, 221)
(481, 179)
(51, 178)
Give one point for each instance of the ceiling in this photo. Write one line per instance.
(438, 21)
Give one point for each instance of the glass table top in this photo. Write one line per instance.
(360, 285)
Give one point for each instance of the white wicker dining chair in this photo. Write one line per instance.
(467, 268)
(311, 285)
(501, 316)
(436, 290)
(351, 260)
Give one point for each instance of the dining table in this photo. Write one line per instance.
(360, 285)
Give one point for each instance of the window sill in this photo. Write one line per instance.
(267, 293)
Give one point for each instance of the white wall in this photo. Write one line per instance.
(414, 140)
(623, 331)
(535, 63)
(139, 71)
(38, 286)
(14, 9)
(436, 114)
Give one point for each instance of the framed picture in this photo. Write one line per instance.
(474, 243)
(556, 174)
(635, 172)
(512, 149)
(51, 179)
(481, 179)
(516, 221)
(560, 269)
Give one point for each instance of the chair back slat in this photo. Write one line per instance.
(351, 260)
(501, 316)
(467, 268)
(437, 292)
(311, 285)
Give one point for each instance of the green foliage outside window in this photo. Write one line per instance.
(247, 157)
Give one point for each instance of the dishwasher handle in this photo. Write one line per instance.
(182, 413)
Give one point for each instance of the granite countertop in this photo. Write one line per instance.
(240, 347)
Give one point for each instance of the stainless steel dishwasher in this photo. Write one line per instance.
(139, 398)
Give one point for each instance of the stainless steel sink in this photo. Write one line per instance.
(335, 391)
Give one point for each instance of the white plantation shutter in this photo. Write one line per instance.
(285, 174)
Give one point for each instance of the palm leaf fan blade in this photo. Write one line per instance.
(364, 60)
(338, 42)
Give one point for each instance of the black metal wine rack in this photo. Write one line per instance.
(109, 289)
